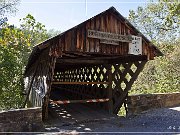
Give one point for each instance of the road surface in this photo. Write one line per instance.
(77, 119)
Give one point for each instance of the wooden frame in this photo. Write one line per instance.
(71, 83)
(79, 101)
(87, 67)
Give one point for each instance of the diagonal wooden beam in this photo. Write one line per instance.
(101, 60)
(30, 86)
(119, 103)
(80, 61)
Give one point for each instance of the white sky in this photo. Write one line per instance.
(64, 14)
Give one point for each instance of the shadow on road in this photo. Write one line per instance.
(81, 118)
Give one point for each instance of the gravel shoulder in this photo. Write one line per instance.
(159, 121)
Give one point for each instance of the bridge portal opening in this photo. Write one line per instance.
(94, 63)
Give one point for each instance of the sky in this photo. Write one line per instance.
(63, 14)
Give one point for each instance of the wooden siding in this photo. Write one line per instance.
(81, 59)
(76, 40)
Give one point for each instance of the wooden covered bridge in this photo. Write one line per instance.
(95, 61)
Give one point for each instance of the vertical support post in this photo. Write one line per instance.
(110, 90)
(49, 83)
(124, 94)
(45, 108)
(30, 86)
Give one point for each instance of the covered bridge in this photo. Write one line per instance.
(95, 61)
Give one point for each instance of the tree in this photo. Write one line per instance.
(159, 21)
(8, 6)
(53, 32)
(15, 47)
(162, 74)
(35, 30)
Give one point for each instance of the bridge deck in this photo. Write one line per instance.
(75, 113)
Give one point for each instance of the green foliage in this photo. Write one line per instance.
(122, 112)
(161, 75)
(8, 6)
(160, 22)
(35, 30)
(15, 47)
(53, 32)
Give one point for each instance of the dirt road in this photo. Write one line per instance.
(158, 121)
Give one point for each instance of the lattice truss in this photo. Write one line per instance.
(83, 74)
(123, 76)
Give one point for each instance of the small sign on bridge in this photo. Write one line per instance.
(135, 47)
(109, 38)
(135, 42)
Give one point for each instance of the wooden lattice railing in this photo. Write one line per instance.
(124, 75)
(97, 82)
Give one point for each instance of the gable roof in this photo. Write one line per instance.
(113, 11)
(37, 50)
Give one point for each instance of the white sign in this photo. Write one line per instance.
(41, 87)
(112, 42)
(135, 47)
(108, 36)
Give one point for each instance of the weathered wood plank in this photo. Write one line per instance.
(98, 25)
(73, 40)
(123, 95)
(110, 90)
(91, 41)
(30, 87)
(82, 39)
(78, 41)
(80, 83)
(87, 40)
(80, 101)
(81, 61)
